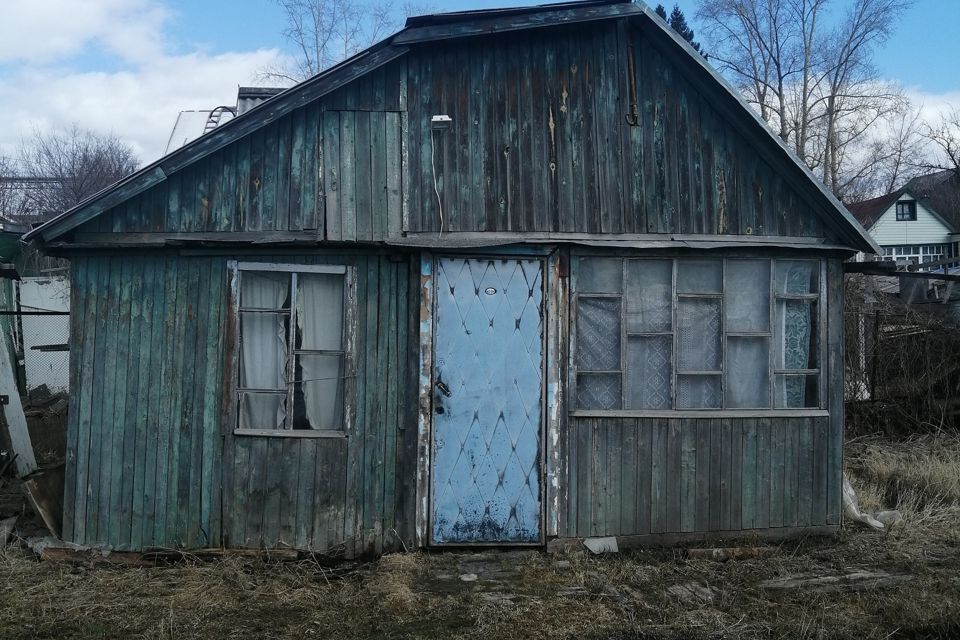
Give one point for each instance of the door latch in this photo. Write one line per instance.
(444, 389)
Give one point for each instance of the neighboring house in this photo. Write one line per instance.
(507, 277)
(191, 124)
(908, 227)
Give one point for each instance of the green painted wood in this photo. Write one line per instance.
(688, 475)
(284, 167)
(124, 429)
(749, 480)
(762, 515)
(348, 176)
(584, 450)
(144, 374)
(778, 453)
(332, 175)
(702, 517)
(393, 142)
(102, 409)
(629, 470)
(613, 496)
(77, 268)
(363, 180)
(164, 419)
(659, 480)
(805, 473)
(675, 480)
(835, 371)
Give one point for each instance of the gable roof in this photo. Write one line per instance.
(870, 211)
(940, 191)
(429, 28)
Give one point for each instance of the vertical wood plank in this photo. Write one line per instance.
(644, 473)
(750, 480)
(331, 175)
(688, 477)
(658, 468)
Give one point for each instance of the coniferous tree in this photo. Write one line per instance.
(678, 22)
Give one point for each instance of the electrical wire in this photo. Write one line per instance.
(436, 188)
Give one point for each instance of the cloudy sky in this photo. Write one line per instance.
(130, 66)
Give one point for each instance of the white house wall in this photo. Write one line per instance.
(926, 229)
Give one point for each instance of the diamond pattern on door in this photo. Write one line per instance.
(488, 368)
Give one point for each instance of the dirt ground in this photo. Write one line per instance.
(861, 584)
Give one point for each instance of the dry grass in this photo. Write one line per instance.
(530, 595)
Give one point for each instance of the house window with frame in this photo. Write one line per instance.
(290, 347)
(693, 334)
(906, 211)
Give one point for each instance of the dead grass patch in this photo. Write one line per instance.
(535, 596)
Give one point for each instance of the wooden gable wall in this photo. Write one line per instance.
(539, 143)
(330, 168)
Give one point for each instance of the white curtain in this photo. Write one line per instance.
(319, 328)
(263, 349)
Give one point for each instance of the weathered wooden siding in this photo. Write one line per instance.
(645, 476)
(146, 434)
(677, 475)
(540, 142)
(332, 173)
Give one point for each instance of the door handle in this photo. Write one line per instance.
(444, 389)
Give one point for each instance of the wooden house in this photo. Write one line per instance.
(908, 228)
(505, 278)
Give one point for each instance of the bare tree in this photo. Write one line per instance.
(324, 32)
(814, 83)
(945, 137)
(62, 168)
(12, 203)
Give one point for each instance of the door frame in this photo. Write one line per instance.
(551, 397)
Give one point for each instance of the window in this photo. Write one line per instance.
(918, 254)
(688, 334)
(291, 358)
(906, 210)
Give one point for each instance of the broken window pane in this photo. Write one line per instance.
(796, 391)
(698, 392)
(748, 373)
(262, 410)
(598, 391)
(598, 334)
(648, 372)
(649, 284)
(747, 295)
(264, 290)
(317, 391)
(797, 276)
(319, 311)
(699, 276)
(263, 350)
(600, 275)
(698, 334)
(797, 331)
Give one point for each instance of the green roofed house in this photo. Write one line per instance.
(508, 277)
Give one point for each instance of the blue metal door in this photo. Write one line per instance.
(488, 401)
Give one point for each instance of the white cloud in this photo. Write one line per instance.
(138, 100)
(933, 105)
(37, 31)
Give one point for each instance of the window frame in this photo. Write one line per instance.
(771, 334)
(910, 215)
(348, 389)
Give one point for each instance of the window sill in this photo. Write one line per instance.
(283, 433)
(701, 413)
